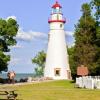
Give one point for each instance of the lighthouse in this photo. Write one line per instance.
(57, 63)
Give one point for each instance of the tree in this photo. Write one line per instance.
(72, 62)
(39, 60)
(8, 30)
(96, 5)
(3, 61)
(85, 36)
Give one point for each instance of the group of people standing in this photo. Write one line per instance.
(11, 75)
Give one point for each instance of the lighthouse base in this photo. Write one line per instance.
(58, 74)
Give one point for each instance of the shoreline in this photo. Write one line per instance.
(25, 83)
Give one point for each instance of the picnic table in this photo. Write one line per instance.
(9, 93)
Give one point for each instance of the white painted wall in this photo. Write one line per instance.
(57, 56)
(56, 16)
(56, 26)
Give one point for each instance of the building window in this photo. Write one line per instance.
(61, 25)
(57, 72)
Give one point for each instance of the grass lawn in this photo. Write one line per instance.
(54, 90)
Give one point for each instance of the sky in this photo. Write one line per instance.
(32, 37)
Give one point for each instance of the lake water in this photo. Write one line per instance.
(18, 76)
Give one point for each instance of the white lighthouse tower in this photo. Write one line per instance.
(57, 64)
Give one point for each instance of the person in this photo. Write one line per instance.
(11, 75)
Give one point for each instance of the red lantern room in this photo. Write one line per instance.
(56, 5)
(56, 15)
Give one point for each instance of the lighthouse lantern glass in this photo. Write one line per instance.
(56, 10)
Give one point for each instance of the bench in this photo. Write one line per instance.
(9, 93)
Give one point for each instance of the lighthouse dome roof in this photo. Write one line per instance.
(56, 5)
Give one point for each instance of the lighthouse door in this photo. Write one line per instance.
(68, 74)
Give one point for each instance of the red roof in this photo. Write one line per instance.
(82, 71)
(56, 5)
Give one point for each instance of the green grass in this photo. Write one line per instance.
(55, 90)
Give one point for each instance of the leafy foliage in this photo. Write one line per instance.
(3, 61)
(96, 5)
(8, 30)
(39, 60)
(85, 36)
(72, 62)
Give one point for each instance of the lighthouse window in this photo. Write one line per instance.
(61, 25)
(57, 72)
(54, 10)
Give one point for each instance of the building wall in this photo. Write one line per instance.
(57, 56)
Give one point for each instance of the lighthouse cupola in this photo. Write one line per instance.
(56, 8)
(56, 19)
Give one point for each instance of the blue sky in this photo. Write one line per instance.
(32, 17)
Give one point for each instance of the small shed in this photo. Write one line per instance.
(82, 70)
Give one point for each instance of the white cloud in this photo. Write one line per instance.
(17, 46)
(69, 33)
(15, 60)
(13, 17)
(25, 36)
(29, 35)
(37, 34)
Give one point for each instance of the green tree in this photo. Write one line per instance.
(39, 60)
(3, 61)
(72, 62)
(96, 5)
(8, 30)
(85, 36)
